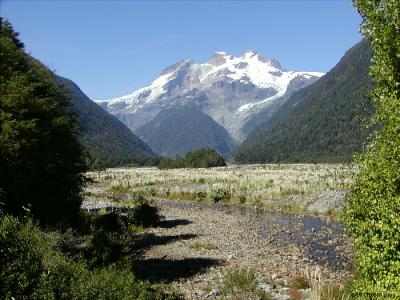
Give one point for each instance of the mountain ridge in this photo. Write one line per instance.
(320, 123)
(236, 88)
(108, 141)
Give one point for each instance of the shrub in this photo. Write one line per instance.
(373, 216)
(109, 222)
(204, 158)
(144, 215)
(31, 268)
(21, 258)
(220, 195)
(201, 196)
(241, 284)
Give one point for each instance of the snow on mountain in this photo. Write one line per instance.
(233, 89)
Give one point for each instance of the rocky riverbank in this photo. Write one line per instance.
(197, 244)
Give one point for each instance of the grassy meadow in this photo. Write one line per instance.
(283, 187)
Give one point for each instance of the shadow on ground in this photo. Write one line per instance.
(173, 223)
(149, 240)
(168, 270)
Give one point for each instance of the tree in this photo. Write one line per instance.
(41, 161)
(204, 158)
(198, 158)
(373, 216)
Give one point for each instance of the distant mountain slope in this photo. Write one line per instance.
(236, 88)
(107, 139)
(319, 123)
(182, 128)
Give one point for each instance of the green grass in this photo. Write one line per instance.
(241, 284)
(252, 185)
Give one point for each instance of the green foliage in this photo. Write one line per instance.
(169, 163)
(199, 158)
(144, 215)
(374, 203)
(241, 284)
(201, 196)
(21, 254)
(204, 158)
(41, 161)
(221, 195)
(182, 128)
(109, 142)
(320, 123)
(33, 268)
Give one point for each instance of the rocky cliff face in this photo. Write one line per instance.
(233, 89)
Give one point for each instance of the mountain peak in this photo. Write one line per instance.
(219, 58)
(179, 65)
(236, 87)
(250, 54)
(272, 62)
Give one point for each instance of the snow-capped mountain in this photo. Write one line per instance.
(232, 90)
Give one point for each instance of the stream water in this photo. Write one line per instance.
(319, 237)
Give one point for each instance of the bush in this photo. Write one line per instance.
(21, 258)
(241, 284)
(201, 196)
(33, 268)
(221, 195)
(373, 216)
(65, 279)
(204, 158)
(144, 215)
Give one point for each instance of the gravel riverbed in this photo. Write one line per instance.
(197, 244)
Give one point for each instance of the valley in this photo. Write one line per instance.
(277, 222)
(140, 161)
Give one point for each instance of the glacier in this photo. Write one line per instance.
(233, 89)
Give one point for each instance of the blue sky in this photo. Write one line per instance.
(111, 48)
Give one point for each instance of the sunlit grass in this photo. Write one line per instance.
(253, 185)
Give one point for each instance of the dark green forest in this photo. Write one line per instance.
(320, 123)
(108, 141)
(199, 158)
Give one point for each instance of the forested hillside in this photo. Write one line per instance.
(108, 141)
(177, 130)
(320, 123)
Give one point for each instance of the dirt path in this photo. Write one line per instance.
(197, 244)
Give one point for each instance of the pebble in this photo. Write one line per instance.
(239, 245)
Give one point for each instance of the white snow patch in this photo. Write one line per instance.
(253, 69)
